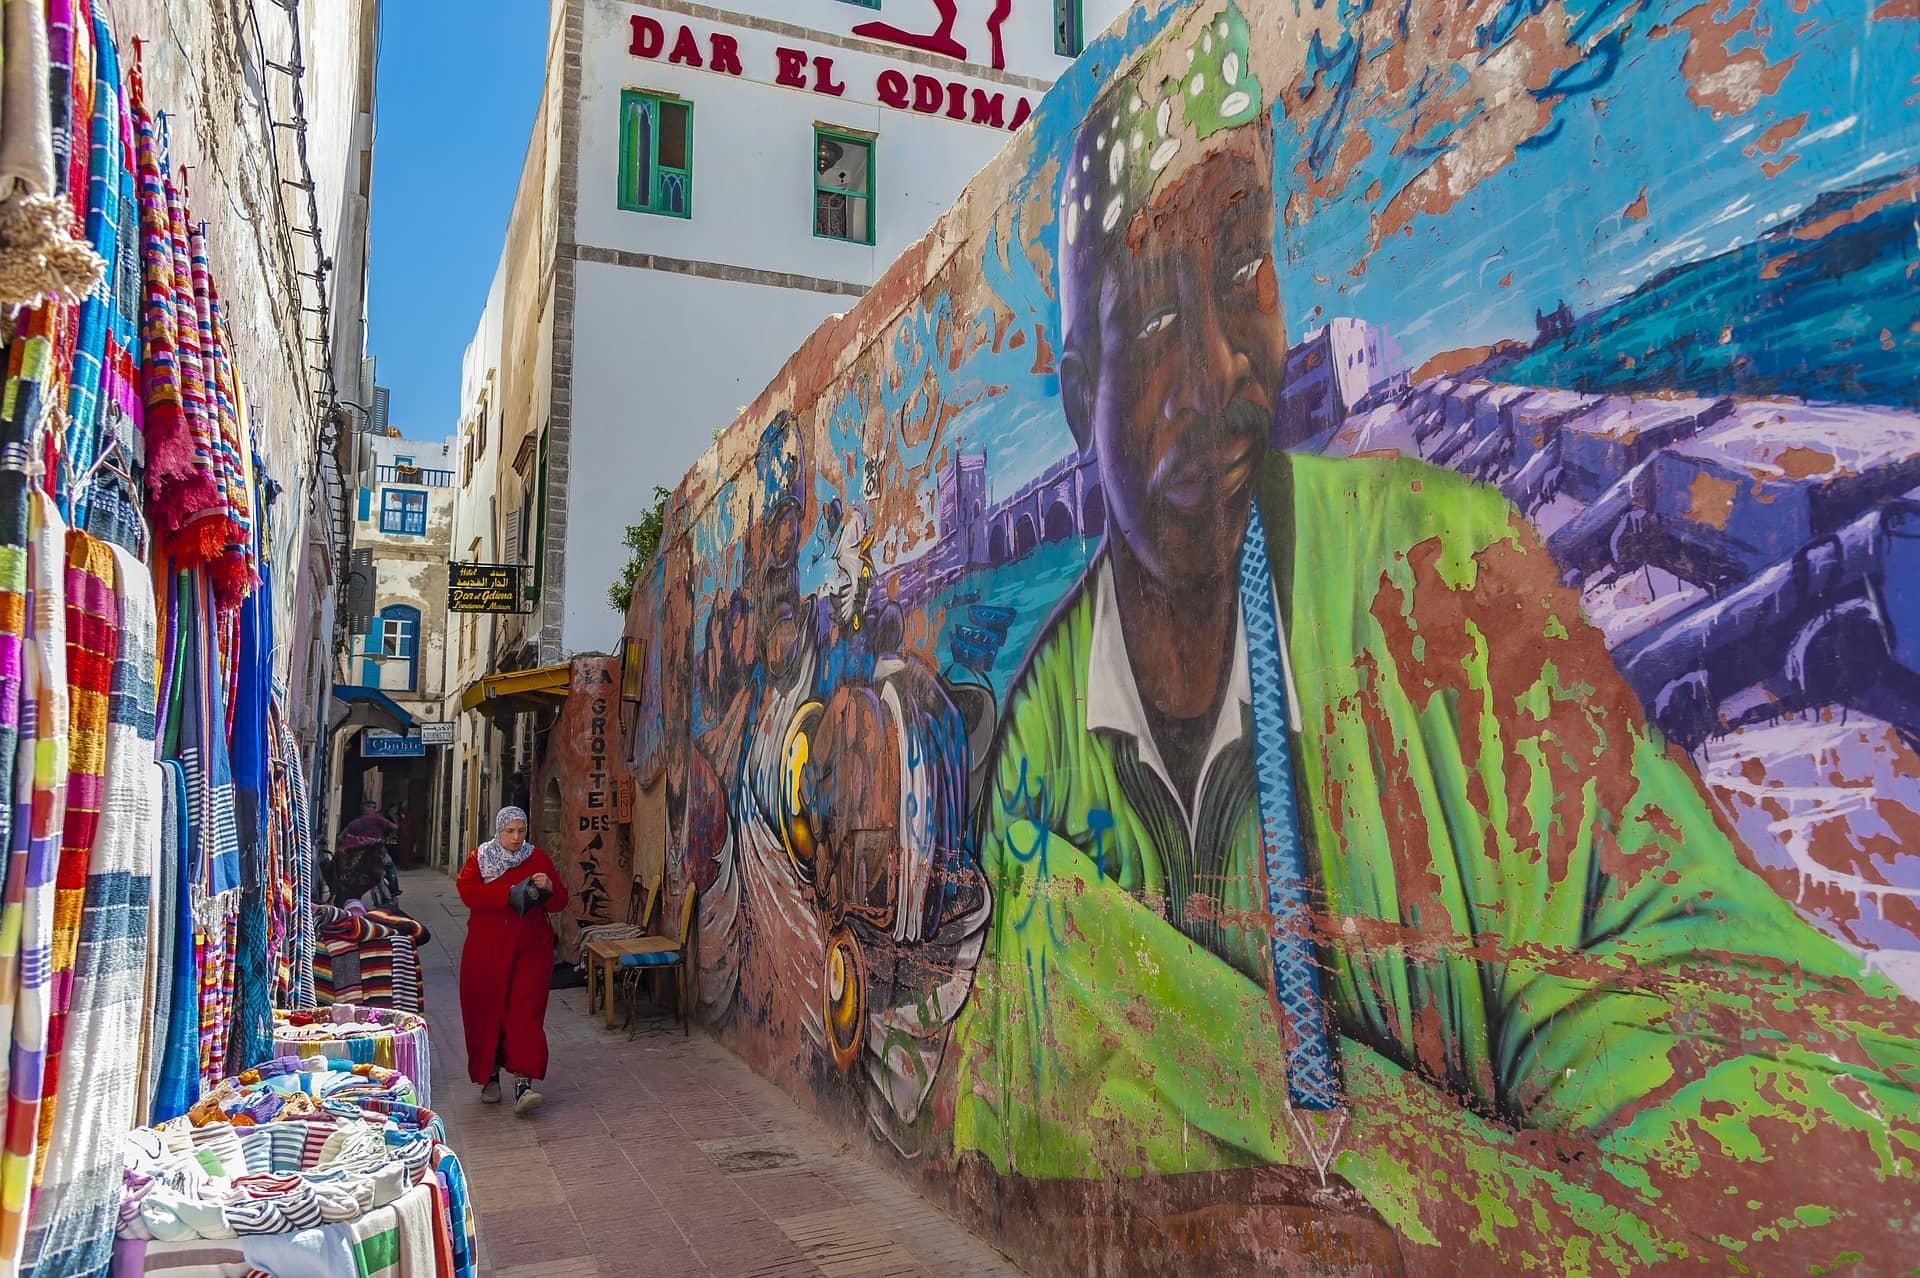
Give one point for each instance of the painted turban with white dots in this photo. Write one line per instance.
(1191, 84)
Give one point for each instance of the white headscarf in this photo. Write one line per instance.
(496, 860)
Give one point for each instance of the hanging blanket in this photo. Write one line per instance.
(203, 743)
(89, 377)
(26, 913)
(93, 640)
(79, 1195)
(292, 786)
(177, 999)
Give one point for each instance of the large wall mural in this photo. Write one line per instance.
(1327, 677)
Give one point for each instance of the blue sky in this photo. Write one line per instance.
(456, 99)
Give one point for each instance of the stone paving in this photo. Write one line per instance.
(664, 1156)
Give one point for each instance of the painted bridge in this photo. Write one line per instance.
(1064, 500)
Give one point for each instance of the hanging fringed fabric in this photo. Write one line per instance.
(93, 641)
(40, 256)
(233, 565)
(77, 1202)
(175, 483)
(26, 913)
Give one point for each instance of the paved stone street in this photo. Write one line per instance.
(663, 1156)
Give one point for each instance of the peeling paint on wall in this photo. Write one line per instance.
(1324, 678)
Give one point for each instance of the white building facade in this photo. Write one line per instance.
(704, 185)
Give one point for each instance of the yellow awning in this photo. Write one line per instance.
(514, 690)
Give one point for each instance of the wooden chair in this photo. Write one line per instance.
(600, 954)
(635, 965)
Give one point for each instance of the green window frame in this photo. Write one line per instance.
(656, 153)
(864, 4)
(842, 204)
(1069, 32)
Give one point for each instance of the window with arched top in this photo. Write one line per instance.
(399, 639)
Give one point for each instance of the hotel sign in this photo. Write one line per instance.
(684, 44)
(491, 588)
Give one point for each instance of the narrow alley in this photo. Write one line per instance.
(663, 1156)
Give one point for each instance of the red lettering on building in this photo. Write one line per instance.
(1020, 113)
(793, 67)
(648, 38)
(726, 54)
(891, 87)
(990, 108)
(686, 50)
(823, 81)
(956, 100)
(927, 94)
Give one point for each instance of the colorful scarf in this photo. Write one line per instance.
(26, 912)
(78, 1199)
(496, 860)
(93, 641)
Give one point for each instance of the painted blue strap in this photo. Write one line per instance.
(1296, 976)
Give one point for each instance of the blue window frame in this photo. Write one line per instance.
(397, 633)
(403, 511)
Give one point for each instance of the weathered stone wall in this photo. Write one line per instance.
(1201, 809)
(206, 68)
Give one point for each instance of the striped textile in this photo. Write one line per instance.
(252, 1022)
(22, 406)
(93, 640)
(78, 1200)
(196, 539)
(203, 743)
(26, 911)
(177, 998)
(300, 834)
(90, 364)
(466, 1236)
(215, 936)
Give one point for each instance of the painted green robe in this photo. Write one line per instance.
(1536, 920)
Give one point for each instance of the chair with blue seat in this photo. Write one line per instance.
(657, 962)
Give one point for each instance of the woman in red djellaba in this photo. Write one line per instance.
(507, 962)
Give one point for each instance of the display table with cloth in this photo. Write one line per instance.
(340, 1177)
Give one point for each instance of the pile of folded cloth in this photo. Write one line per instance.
(367, 957)
(290, 1089)
(363, 1035)
(297, 1168)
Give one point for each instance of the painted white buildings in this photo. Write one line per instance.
(396, 642)
(704, 184)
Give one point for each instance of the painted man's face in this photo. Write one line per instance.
(1190, 361)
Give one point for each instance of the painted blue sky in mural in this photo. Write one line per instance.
(1578, 216)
